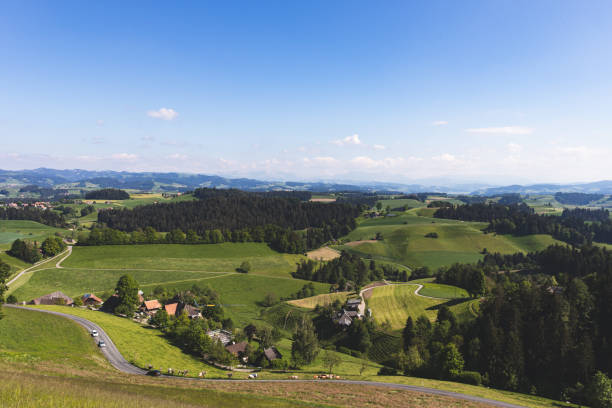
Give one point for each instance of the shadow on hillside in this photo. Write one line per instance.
(450, 303)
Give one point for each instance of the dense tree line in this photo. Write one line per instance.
(279, 239)
(47, 217)
(577, 198)
(5, 271)
(586, 214)
(520, 219)
(347, 268)
(107, 194)
(545, 326)
(29, 251)
(469, 277)
(241, 216)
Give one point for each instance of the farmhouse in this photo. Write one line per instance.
(224, 336)
(55, 298)
(272, 354)
(353, 304)
(89, 299)
(150, 307)
(239, 350)
(345, 317)
(171, 309)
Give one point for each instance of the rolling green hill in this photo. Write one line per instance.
(404, 240)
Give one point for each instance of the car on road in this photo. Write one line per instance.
(101, 343)
(154, 373)
(94, 333)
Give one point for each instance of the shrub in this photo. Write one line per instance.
(431, 235)
(384, 370)
(468, 377)
(11, 299)
(355, 353)
(344, 350)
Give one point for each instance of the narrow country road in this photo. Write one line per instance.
(69, 251)
(116, 359)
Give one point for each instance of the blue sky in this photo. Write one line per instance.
(493, 91)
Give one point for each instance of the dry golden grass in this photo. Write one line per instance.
(321, 300)
(357, 243)
(323, 254)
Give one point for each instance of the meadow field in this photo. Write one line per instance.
(10, 230)
(404, 240)
(394, 303)
(97, 270)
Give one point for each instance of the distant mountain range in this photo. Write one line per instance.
(87, 179)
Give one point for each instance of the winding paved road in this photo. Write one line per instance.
(116, 359)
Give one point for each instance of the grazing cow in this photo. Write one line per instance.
(293, 377)
(170, 371)
(251, 376)
(229, 375)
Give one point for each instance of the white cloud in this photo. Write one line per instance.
(177, 156)
(439, 123)
(504, 130)
(124, 156)
(100, 122)
(447, 157)
(514, 147)
(379, 147)
(163, 113)
(147, 138)
(349, 140)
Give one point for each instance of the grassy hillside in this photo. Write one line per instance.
(394, 303)
(404, 240)
(11, 230)
(322, 300)
(64, 342)
(224, 257)
(64, 369)
(97, 270)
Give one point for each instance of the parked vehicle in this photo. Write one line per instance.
(101, 343)
(94, 333)
(154, 373)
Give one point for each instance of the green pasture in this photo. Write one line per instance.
(224, 257)
(63, 342)
(404, 241)
(10, 230)
(401, 202)
(443, 291)
(394, 303)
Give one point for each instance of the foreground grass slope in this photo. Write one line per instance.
(33, 382)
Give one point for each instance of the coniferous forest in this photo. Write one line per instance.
(574, 226)
(282, 220)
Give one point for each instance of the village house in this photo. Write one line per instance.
(171, 309)
(272, 354)
(55, 298)
(150, 307)
(239, 350)
(177, 308)
(345, 317)
(89, 299)
(353, 304)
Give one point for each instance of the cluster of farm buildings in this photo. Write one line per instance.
(149, 308)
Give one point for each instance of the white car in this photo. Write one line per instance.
(94, 333)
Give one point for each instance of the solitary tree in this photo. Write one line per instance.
(245, 267)
(305, 346)
(331, 360)
(408, 334)
(127, 291)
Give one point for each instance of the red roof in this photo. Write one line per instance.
(171, 309)
(91, 297)
(152, 305)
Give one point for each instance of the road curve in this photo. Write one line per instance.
(69, 250)
(116, 359)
